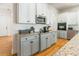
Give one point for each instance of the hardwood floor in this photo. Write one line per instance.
(6, 47)
(53, 49)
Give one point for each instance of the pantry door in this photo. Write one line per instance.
(4, 24)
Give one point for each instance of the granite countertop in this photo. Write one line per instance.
(70, 49)
(29, 34)
(48, 32)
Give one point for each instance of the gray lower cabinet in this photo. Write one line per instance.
(29, 45)
(47, 39)
(25, 47)
(43, 42)
(62, 34)
(54, 37)
(35, 44)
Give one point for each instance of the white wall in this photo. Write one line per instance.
(72, 9)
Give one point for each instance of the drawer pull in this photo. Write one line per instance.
(26, 38)
(46, 38)
(31, 42)
(35, 36)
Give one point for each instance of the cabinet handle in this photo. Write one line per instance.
(28, 21)
(42, 14)
(26, 38)
(35, 36)
(46, 38)
(31, 42)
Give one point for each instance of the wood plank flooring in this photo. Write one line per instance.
(6, 47)
(53, 49)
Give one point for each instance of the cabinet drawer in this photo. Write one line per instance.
(29, 37)
(25, 39)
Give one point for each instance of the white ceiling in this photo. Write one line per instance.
(61, 6)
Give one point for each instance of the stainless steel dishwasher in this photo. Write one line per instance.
(71, 34)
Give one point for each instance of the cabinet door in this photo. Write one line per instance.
(54, 37)
(48, 38)
(78, 19)
(26, 13)
(32, 12)
(43, 43)
(25, 47)
(72, 18)
(60, 34)
(5, 23)
(41, 9)
(63, 34)
(35, 44)
(62, 17)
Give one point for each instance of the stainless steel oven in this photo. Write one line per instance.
(61, 26)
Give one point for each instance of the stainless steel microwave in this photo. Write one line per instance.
(40, 20)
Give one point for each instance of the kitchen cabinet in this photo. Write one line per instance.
(29, 45)
(52, 15)
(72, 18)
(62, 34)
(62, 17)
(35, 44)
(52, 38)
(43, 42)
(41, 9)
(25, 47)
(47, 39)
(78, 18)
(26, 12)
(68, 17)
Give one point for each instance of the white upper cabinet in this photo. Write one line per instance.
(78, 18)
(41, 9)
(62, 18)
(69, 17)
(26, 12)
(72, 18)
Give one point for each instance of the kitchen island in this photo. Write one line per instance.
(70, 49)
